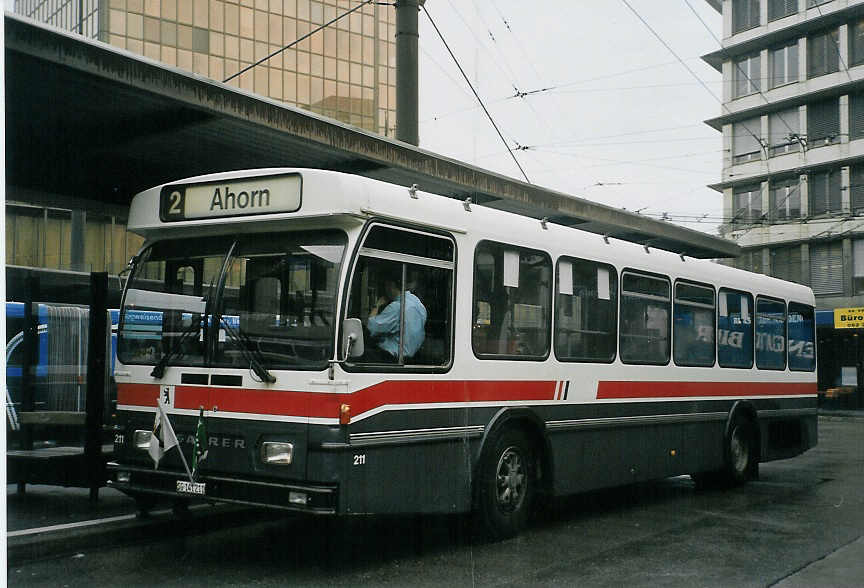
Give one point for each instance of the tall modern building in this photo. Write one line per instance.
(346, 71)
(792, 120)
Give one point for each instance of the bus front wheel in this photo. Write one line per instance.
(506, 485)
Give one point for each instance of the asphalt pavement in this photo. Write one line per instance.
(47, 522)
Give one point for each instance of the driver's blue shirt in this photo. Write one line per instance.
(385, 326)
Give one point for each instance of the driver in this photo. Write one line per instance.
(384, 319)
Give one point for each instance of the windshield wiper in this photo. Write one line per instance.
(252, 354)
(176, 349)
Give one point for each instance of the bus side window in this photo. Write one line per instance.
(587, 311)
(770, 334)
(802, 339)
(512, 301)
(402, 292)
(645, 313)
(734, 329)
(694, 328)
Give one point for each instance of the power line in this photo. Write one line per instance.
(303, 38)
(476, 95)
(681, 61)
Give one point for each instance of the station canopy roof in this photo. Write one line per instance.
(87, 120)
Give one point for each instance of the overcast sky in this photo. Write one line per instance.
(620, 120)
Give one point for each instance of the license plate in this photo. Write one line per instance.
(184, 487)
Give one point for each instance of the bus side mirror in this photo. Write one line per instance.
(352, 338)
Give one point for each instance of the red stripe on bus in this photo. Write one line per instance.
(612, 390)
(137, 394)
(326, 405)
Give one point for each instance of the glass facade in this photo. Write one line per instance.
(345, 71)
(42, 237)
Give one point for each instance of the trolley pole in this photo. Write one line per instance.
(407, 91)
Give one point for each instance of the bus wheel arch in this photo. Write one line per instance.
(513, 472)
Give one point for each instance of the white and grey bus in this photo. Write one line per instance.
(356, 347)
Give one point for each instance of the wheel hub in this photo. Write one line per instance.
(510, 480)
(739, 450)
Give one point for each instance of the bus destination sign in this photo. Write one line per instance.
(234, 197)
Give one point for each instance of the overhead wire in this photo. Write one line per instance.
(476, 95)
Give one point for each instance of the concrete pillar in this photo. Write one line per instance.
(845, 191)
(766, 200)
(76, 247)
(805, 263)
(848, 268)
(805, 198)
(407, 91)
(802, 63)
(844, 118)
(843, 45)
(728, 70)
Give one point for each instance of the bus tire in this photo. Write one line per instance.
(741, 452)
(506, 485)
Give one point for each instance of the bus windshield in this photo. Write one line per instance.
(266, 299)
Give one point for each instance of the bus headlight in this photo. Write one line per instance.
(141, 439)
(277, 453)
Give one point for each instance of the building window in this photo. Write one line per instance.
(785, 199)
(786, 263)
(784, 64)
(856, 116)
(745, 15)
(746, 142)
(734, 329)
(812, 3)
(823, 54)
(856, 42)
(858, 266)
(586, 311)
(784, 131)
(823, 122)
(826, 268)
(750, 260)
(747, 202)
(824, 192)
(747, 74)
(645, 312)
(694, 318)
(512, 302)
(856, 189)
(779, 8)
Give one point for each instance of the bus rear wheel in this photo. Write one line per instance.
(506, 485)
(742, 459)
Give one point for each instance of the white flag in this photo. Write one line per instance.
(163, 438)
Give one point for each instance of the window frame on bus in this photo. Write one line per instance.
(713, 307)
(475, 306)
(352, 364)
(614, 301)
(752, 339)
(772, 299)
(812, 311)
(621, 296)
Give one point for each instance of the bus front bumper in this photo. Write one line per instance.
(310, 498)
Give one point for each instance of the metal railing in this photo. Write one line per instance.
(79, 16)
